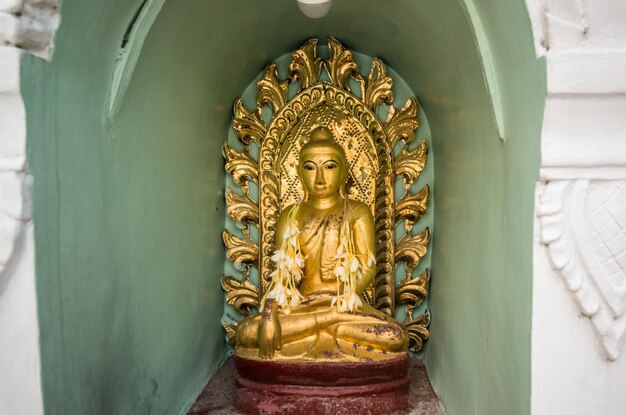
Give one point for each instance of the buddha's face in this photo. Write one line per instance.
(322, 172)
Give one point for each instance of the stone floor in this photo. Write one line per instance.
(218, 395)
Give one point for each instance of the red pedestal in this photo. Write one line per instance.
(285, 388)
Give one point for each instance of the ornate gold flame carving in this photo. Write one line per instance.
(306, 65)
(401, 125)
(340, 66)
(411, 248)
(418, 330)
(272, 92)
(247, 124)
(369, 143)
(242, 251)
(376, 88)
(242, 295)
(241, 166)
(242, 209)
(411, 207)
(409, 164)
(412, 291)
(229, 328)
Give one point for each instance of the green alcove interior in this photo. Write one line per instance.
(128, 211)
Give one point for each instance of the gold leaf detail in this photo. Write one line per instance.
(368, 295)
(242, 209)
(401, 125)
(247, 124)
(384, 300)
(340, 66)
(376, 88)
(305, 65)
(242, 251)
(241, 166)
(412, 291)
(411, 207)
(231, 330)
(418, 331)
(384, 234)
(272, 91)
(411, 248)
(242, 295)
(269, 216)
(410, 164)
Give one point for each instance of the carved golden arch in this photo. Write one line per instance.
(360, 106)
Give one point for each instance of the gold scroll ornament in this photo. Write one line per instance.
(350, 112)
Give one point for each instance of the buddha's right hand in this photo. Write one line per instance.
(269, 331)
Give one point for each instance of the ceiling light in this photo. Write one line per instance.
(315, 8)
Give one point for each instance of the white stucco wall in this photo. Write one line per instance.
(24, 25)
(579, 282)
(570, 374)
(20, 389)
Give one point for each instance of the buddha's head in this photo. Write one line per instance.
(323, 164)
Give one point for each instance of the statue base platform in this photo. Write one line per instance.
(265, 387)
(249, 386)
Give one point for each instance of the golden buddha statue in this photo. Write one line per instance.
(325, 245)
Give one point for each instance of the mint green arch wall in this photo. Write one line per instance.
(128, 208)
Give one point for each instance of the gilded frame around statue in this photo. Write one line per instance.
(329, 98)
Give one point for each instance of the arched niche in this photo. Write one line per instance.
(128, 204)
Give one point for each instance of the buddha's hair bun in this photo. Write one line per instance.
(322, 137)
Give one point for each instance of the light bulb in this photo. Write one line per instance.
(315, 8)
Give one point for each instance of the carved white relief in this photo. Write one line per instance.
(25, 25)
(566, 23)
(577, 25)
(584, 44)
(583, 225)
(580, 221)
(29, 24)
(20, 388)
(12, 156)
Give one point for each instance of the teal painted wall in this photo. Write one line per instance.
(128, 215)
(481, 295)
(128, 211)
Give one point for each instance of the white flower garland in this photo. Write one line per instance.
(289, 263)
(348, 270)
(288, 273)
